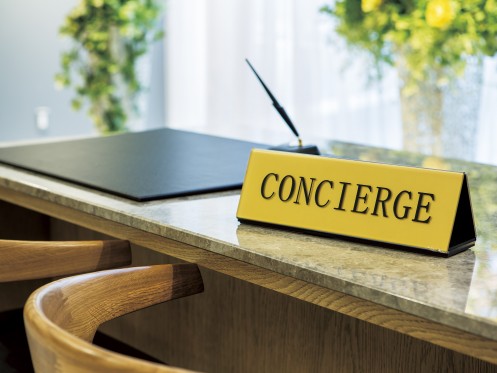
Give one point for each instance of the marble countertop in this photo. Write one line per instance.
(460, 291)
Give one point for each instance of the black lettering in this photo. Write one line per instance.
(307, 192)
(396, 205)
(263, 185)
(318, 191)
(342, 196)
(425, 207)
(282, 187)
(359, 197)
(381, 201)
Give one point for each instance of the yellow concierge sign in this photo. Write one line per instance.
(406, 206)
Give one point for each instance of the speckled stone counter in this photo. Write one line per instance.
(460, 291)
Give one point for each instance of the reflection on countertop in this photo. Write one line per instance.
(482, 294)
(459, 291)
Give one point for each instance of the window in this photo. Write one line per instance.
(321, 84)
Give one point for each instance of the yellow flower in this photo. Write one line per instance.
(440, 13)
(370, 5)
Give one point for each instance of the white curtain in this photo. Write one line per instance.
(322, 84)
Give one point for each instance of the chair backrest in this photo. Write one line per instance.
(27, 260)
(62, 317)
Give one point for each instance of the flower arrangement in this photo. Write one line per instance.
(423, 35)
(109, 36)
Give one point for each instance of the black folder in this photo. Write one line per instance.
(141, 166)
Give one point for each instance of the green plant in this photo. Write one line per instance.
(109, 36)
(423, 35)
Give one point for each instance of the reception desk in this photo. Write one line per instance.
(276, 300)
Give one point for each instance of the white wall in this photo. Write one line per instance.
(30, 52)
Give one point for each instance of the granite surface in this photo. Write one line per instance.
(460, 291)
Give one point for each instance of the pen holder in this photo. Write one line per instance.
(304, 149)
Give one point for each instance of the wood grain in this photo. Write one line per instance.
(62, 317)
(236, 326)
(314, 326)
(31, 261)
(27, 260)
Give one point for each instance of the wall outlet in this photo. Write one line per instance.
(42, 117)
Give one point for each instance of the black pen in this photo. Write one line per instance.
(277, 106)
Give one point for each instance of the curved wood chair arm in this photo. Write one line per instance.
(27, 260)
(62, 317)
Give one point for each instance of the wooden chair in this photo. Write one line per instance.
(29, 260)
(61, 317)
(43, 260)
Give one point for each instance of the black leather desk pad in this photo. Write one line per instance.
(141, 166)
